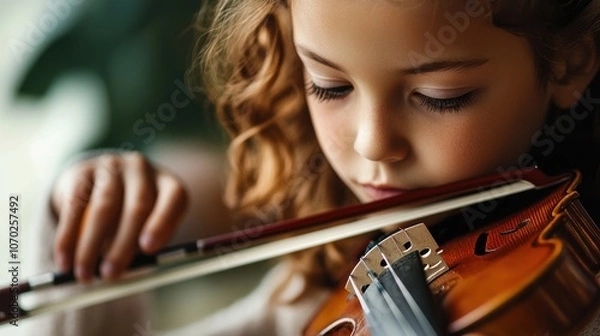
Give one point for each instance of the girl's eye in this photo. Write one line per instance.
(324, 94)
(455, 104)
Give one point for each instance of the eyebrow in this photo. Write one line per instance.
(442, 65)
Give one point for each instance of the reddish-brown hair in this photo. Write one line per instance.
(252, 75)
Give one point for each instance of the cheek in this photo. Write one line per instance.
(457, 153)
(483, 146)
(334, 134)
(515, 122)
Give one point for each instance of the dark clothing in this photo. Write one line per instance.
(574, 137)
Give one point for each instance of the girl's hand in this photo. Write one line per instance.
(113, 206)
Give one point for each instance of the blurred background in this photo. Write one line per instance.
(85, 74)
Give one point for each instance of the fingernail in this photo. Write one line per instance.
(147, 242)
(108, 270)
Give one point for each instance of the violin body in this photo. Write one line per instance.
(532, 272)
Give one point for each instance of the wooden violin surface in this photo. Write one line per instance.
(532, 272)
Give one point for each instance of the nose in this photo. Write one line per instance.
(380, 135)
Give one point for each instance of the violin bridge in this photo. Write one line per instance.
(396, 246)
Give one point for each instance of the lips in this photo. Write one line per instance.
(377, 192)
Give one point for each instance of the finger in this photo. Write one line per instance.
(168, 211)
(103, 212)
(70, 205)
(140, 194)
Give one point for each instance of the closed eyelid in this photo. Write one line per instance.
(444, 93)
(324, 81)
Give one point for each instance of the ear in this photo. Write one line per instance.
(573, 72)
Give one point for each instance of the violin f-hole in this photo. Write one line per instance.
(481, 247)
(519, 226)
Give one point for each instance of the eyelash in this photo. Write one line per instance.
(325, 94)
(455, 104)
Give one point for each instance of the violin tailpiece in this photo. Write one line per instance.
(400, 302)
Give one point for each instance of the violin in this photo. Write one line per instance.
(530, 272)
(179, 263)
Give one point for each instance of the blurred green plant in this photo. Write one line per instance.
(140, 50)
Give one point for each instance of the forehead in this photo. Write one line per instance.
(431, 8)
(397, 26)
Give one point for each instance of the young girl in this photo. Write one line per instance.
(333, 102)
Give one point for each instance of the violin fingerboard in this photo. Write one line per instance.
(393, 248)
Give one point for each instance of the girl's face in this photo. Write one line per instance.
(407, 94)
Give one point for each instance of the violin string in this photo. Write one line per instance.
(270, 249)
(358, 293)
(421, 316)
(412, 303)
(398, 315)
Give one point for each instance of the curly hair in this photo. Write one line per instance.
(252, 75)
(553, 28)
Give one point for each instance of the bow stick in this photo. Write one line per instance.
(219, 253)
